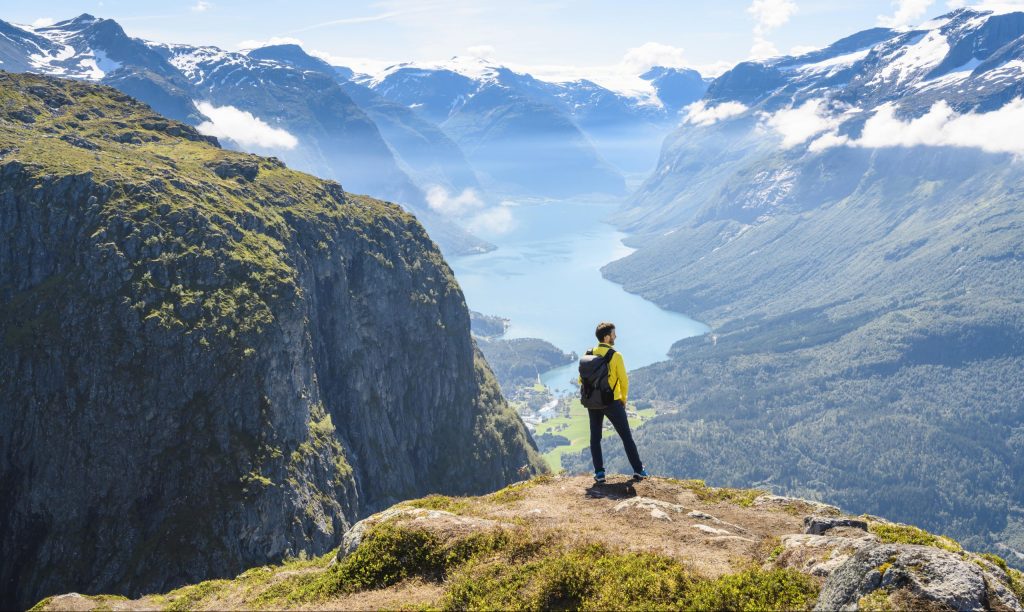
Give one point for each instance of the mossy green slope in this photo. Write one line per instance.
(210, 360)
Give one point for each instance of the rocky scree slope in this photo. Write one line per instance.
(566, 543)
(210, 361)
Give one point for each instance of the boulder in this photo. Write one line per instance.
(918, 576)
(439, 521)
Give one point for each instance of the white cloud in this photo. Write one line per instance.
(351, 21)
(480, 51)
(763, 48)
(994, 132)
(997, 6)
(362, 65)
(440, 200)
(797, 125)
(242, 127)
(623, 76)
(497, 220)
(700, 115)
(799, 50)
(470, 210)
(828, 141)
(641, 59)
(42, 22)
(997, 131)
(248, 45)
(768, 15)
(907, 12)
(201, 6)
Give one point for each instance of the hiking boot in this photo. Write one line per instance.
(599, 476)
(641, 475)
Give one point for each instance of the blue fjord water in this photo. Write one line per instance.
(545, 277)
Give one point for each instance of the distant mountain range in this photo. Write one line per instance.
(458, 125)
(850, 223)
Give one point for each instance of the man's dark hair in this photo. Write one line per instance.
(603, 329)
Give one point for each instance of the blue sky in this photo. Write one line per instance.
(558, 34)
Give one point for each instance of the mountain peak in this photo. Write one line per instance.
(291, 54)
(76, 24)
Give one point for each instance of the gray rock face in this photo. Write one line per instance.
(149, 439)
(820, 555)
(817, 525)
(927, 575)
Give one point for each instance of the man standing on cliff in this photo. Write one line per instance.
(613, 405)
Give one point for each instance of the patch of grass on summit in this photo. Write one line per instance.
(388, 555)
(517, 490)
(596, 578)
(740, 497)
(439, 502)
(908, 534)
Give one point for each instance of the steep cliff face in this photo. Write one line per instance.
(210, 361)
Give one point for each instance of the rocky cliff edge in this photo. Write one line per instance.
(566, 543)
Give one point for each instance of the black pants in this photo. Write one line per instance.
(616, 413)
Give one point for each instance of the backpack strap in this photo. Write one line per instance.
(608, 359)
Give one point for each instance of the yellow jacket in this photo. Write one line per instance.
(617, 378)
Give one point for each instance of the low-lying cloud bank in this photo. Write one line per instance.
(470, 210)
(242, 127)
(701, 115)
(996, 131)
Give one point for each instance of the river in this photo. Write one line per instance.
(545, 276)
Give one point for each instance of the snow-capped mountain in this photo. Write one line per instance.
(259, 104)
(969, 58)
(625, 129)
(422, 149)
(954, 81)
(458, 124)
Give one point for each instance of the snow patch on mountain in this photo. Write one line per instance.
(470, 67)
(834, 64)
(916, 59)
(196, 63)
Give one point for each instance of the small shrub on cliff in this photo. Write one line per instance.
(390, 554)
(595, 578)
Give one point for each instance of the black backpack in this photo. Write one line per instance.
(595, 391)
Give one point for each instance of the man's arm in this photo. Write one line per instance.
(619, 366)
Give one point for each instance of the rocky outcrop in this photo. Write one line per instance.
(566, 542)
(924, 576)
(210, 361)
